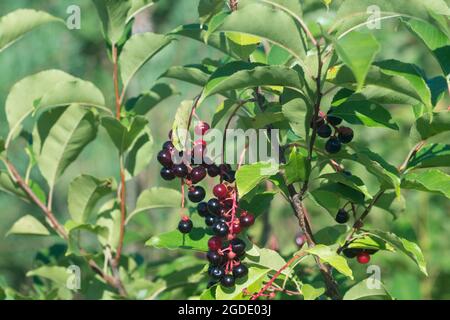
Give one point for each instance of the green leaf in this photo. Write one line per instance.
(312, 293)
(84, 194)
(139, 5)
(223, 110)
(59, 275)
(208, 8)
(365, 113)
(74, 230)
(432, 180)
(109, 219)
(72, 92)
(409, 248)
(427, 127)
(114, 17)
(151, 199)
(297, 167)
(351, 181)
(353, 14)
(437, 41)
(252, 282)
(146, 101)
(252, 20)
(28, 225)
(328, 255)
(432, 155)
(339, 189)
(196, 74)
(196, 240)
(140, 153)
(267, 258)
(298, 110)
(139, 49)
(180, 124)
(123, 135)
(73, 131)
(278, 56)
(9, 186)
(19, 106)
(249, 176)
(370, 287)
(16, 24)
(357, 51)
(258, 203)
(392, 203)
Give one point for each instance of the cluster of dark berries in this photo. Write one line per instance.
(221, 213)
(361, 255)
(325, 126)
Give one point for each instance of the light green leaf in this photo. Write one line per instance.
(249, 176)
(28, 225)
(432, 180)
(137, 51)
(196, 240)
(311, 293)
(59, 275)
(357, 51)
(330, 256)
(114, 17)
(9, 186)
(109, 219)
(140, 153)
(411, 249)
(432, 155)
(84, 193)
(267, 258)
(297, 167)
(75, 229)
(146, 101)
(252, 20)
(19, 106)
(180, 124)
(252, 283)
(392, 203)
(123, 135)
(370, 287)
(240, 75)
(138, 6)
(16, 24)
(74, 129)
(152, 199)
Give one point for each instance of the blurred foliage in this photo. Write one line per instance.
(82, 53)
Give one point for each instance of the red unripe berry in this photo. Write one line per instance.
(247, 220)
(236, 227)
(201, 128)
(220, 191)
(200, 142)
(215, 243)
(363, 258)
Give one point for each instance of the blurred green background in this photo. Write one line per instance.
(82, 53)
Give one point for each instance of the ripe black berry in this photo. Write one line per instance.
(214, 258)
(342, 216)
(351, 252)
(345, 134)
(240, 271)
(180, 170)
(238, 246)
(168, 145)
(229, 176)
(202, 209)
(247, 220)
(185, 225)
(324, 131)
(333, 120)
(216, 272)
(165, 158)
(213, 170)
(210, 220)
(227, 281)
(167, 174)
(333, 145)
(214, 206)
(196, 194)
(220, 229)
(198, 174)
